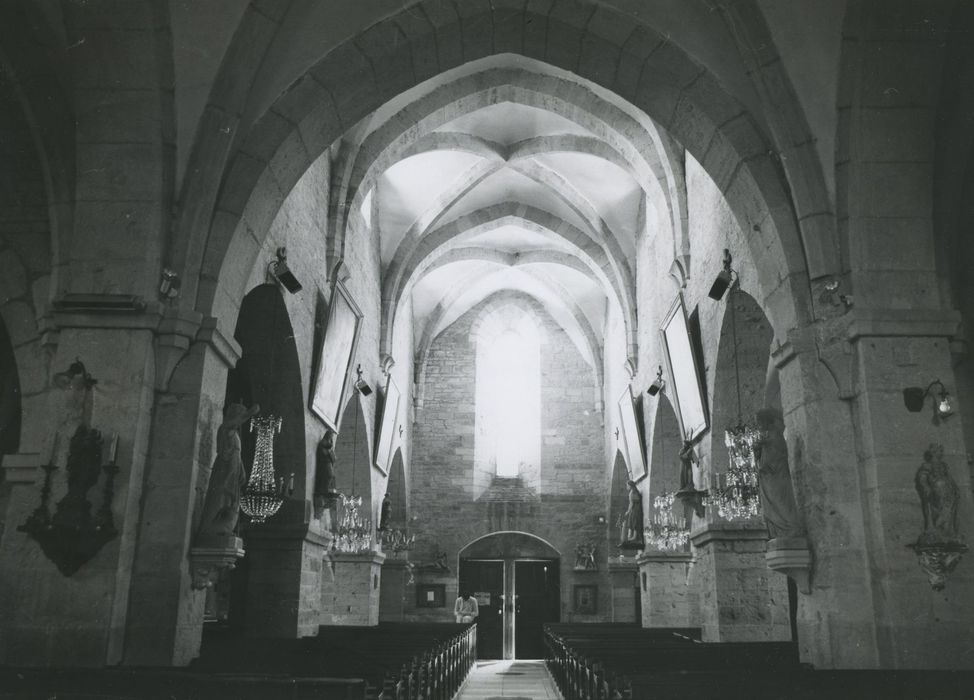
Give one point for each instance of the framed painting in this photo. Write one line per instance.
(430, 595)
(585, 599)
(631, 436)
(685, 387)
(388, 425)
(335, 353)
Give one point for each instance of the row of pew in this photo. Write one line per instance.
(396, 661)
(626, 662)
(610, 661)
(386, 662)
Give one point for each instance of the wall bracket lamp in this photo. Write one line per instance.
(282, 274)
(725, 278)
(361, 386)
(914, 398)
(658, 384)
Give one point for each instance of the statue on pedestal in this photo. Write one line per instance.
(221, 507)
(325, 492)
(632, 522)
(774, 477)
(938, 498)
(385, 513)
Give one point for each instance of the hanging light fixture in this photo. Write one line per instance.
(264, 493)
(667, 532)
(735, 492)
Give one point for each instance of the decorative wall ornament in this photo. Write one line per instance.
(585, 557)
(72, 535)
(397, 540)
(939, 548)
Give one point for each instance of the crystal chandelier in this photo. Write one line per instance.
(264, 493)
(735, 492)
(667, 532)
(354, 532)
(397, 540)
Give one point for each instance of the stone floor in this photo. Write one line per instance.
(512, 680)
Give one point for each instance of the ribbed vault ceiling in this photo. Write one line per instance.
(514, 178)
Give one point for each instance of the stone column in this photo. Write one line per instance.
(352, 598)
(165, 625)
(741, 599)
(392, 592)
(666, 597)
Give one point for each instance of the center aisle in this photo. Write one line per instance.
(526, 680)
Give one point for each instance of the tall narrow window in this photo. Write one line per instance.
(509, 398)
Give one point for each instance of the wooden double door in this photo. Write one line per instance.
(516, 597)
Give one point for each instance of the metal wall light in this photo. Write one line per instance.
(658, 384)
(725, 278)
(279, 270)
(362, 386)
(914, 397)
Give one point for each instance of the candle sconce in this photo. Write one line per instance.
(72, 535)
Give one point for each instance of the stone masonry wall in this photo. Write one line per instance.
(447, 517)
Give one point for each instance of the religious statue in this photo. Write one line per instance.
(632, 522)
(774, 477)
(938, 498)
(687, 458)
(385, 512)
(325, 491)
(221, 507)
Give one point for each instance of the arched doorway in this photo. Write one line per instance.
(515, 578)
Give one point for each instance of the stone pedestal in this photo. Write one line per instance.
(624, 590)
(392, 591)
(667, 600)
(741, 600)
(284, 577)
(792, 557)
(211, 557)
(352, 597)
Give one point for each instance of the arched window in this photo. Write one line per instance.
(508, 392)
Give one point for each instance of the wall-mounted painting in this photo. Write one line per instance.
(585, 599)
(388, 426)
(334, 358)
(430, 595)
(632, 436)
(685, 388)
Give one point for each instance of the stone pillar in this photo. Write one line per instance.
(165, 625)
(741, 599)
(392, 592)
(666, 597)
(622, 576)
(352, 598)
(285, 578)
(916, 626)
(47, 618)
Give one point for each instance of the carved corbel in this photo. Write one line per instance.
(211, 557)
(175, 334)
(680, 270)
(386, 363)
